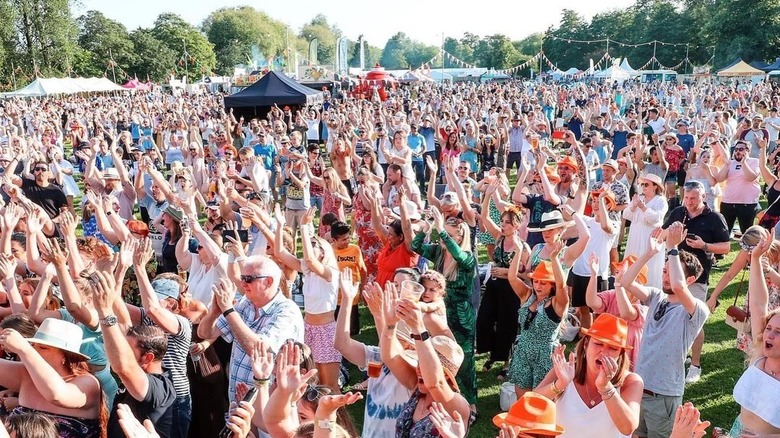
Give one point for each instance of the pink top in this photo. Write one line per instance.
(740, 190)
(635, 327)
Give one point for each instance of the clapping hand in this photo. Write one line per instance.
(224, 294)
(564, 370)
(657, 241)
(688, 424)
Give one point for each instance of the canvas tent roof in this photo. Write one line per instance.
(50, 86)
(135, 84)
(614, 72)
(627, 67)
(274, 88)
(740, 69)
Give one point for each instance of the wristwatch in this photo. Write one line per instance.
(673, 252)
(325, 424)
(110, 320)
(424, 336)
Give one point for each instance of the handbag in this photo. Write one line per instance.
(570, 326)
(507, 396)
(737, 317)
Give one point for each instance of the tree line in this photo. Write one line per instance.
(43, 38)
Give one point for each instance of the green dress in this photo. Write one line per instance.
(461, 317)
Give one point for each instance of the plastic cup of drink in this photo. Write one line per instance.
(534, 142)
(412, 290)
(374, 369)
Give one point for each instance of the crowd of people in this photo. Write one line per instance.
(171, 268)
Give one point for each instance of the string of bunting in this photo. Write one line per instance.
(674, 67)
(524, 65)
(622, 44)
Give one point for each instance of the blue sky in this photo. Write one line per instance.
(425, 21)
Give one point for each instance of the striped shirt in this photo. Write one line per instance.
(175, 358)
(274, 323)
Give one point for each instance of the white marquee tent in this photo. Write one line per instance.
(50, 86)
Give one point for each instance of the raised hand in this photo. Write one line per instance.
(288, 370)
(12, 342)
(68, 222)
(449, 426)
(432, 167)
(593, 263)
(224, 293)
(410, 314)
(262, 362)
(564, 370)
(132, 427)
(389, 302)
(348, 287)
(102, 291)
(656, 241)
(7, 266)
(142, 251)
(54, 253)
(372, 295)
(329, 404)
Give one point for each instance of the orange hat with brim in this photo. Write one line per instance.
(532, 413)
(610, 330)
(609, 200)
(569, 161)
(543, 272)
(641, 278)
(552, 174)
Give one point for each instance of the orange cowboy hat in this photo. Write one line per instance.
(532, 413)
(609, 200)
(552, 174)
(569, 161)
(610, 330)
(641, 278)
(543, 272)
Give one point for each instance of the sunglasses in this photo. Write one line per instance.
(661, 311)
(741, 149)
(644, 184)
(313, 393)
(249, 279)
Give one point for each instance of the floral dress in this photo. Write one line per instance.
(369, 242)
(330, 204)
(67, 426)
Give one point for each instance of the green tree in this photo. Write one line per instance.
(394, 53)
(372, 55)
(558, 45)
(496, 51)
(326, 34)
(154, 59)
(42, 35)
(746, 29)
(175, 33)
(100, 39)
(529, 45)
(235, 31)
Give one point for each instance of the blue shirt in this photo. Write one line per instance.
(268, 152)
(686, 141)
(416, 143)
(274, 323)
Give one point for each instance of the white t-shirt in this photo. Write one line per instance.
(200, 280)
(319, 295)
(600, 243)
(773, 133)
(313, 133)
(385, 399)
(658, 125)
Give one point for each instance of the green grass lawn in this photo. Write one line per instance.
(722, 364)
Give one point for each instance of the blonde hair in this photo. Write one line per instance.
(449, 265)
